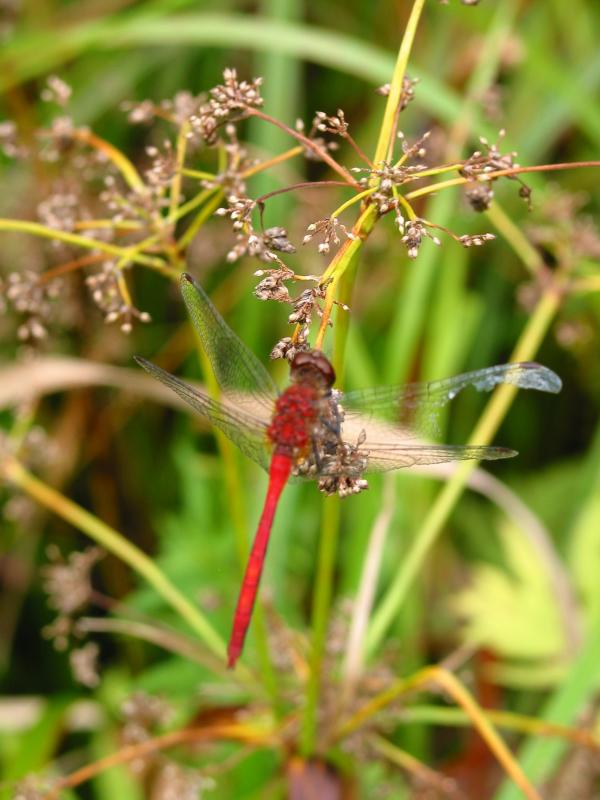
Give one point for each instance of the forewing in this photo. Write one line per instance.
(245, 430)
(237, 370)
(419, 404)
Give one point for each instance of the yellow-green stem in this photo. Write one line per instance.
(449, 683)
(34, 228)
(483, 432)
(205, 213)
(515, 236)
(181, 149)
(330, 526)
(385, 141)
(115, 543)
(119, 159)
(345, 258)
(357, 198)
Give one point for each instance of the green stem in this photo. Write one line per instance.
(237, 511)
(330, 526)
(342, 272)
(196, 173)
(530, 257)
(351, 202)
(385, 141)
(182, 140)
(483, 432)
(118, 545)
(24, 226)
(205, 212)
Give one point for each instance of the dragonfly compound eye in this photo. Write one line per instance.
(313, 361)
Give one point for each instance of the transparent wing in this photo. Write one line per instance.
(237, 370)
(419, 404)
(383, 457)
(245, 430)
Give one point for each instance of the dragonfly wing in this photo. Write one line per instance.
(236, 368)
(246, 431)
(398, 403)
(383, 457)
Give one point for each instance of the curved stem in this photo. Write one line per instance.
(445, 680)
(24, 226)
(319, 151)
(115, 543)
(483, 432)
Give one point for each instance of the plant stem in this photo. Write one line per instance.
(445, 680)
(323, 591)
(483, 432)
(111, 540)
(319, 151)
(180, 153)
(530, 257)
(346, 259)
(271, 162)
(385, 142)
(205, 212)
(24, 226)
(119, 159)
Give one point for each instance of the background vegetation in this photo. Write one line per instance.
(509, 598)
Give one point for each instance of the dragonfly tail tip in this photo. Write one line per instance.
(233, 653)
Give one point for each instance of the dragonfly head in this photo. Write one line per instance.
(311, 366)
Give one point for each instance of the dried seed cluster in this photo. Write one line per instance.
(32, 299)
(107, 295)
(228, 101)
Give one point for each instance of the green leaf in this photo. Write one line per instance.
(512, 611)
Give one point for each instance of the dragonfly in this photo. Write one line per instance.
(311, 430)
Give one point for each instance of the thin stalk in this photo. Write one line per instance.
(356, 199)
(195, 201)
(271, 162)
(205, 212)
(340, 263)
(345, 259)
(319, 151)
(516, 723)
(358, 150)
(227, 732)
(445, 680)
(407, 762)
(180, 153)
(115, 543)
(385, 142)
(24, 226)
(70, 266)
(330, 527)
(530, 257)
(118, 158)
(483, 432)
(363, 604)
(196, 173)
(117, 225)
(499, 173)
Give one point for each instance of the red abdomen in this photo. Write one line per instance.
(295, 412)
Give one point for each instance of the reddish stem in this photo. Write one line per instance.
(321, 152)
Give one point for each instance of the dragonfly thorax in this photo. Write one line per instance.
(293, 419)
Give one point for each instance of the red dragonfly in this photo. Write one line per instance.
(313, 431)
